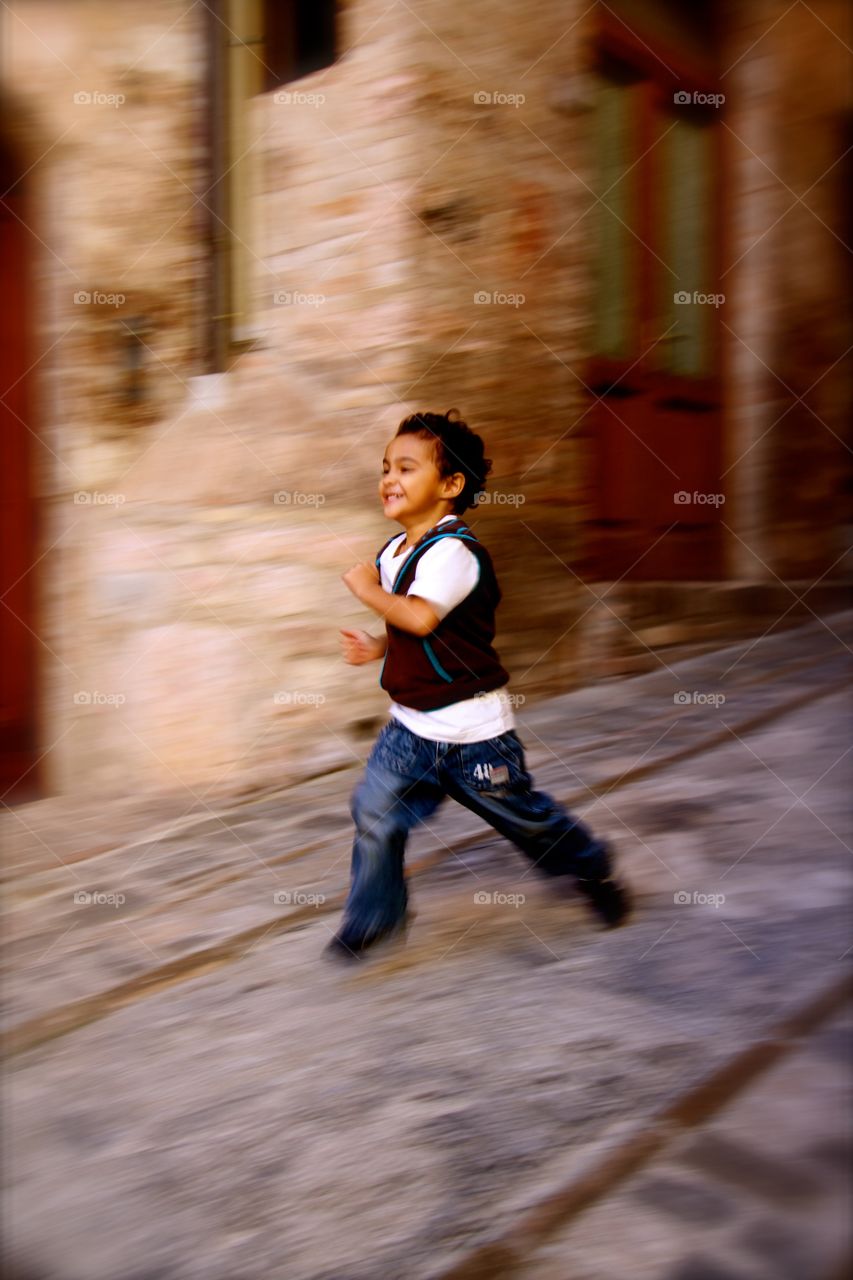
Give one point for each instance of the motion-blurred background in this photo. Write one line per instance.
(241, 240)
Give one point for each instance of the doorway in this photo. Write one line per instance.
(654, 377)
(18, 768)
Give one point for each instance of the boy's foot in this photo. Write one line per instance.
(348, 946)
(609, 900)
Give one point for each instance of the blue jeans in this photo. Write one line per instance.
(406, 779)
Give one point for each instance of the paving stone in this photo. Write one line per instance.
(736, 1165)
(687, 1201)
(699, 1267)
(785, 1254)
(837, 1043)
(778, 1117)
(834, 1154)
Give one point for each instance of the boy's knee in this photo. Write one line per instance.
(373, 808)
(355, 801)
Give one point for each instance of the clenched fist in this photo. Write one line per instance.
(360, 576)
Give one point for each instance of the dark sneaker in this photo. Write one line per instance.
(347, 946)
(609, 900)
(342, 949)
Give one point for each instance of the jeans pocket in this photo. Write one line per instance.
(396, 749)
(495, 766)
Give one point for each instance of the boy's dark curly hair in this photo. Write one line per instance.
(457, 448)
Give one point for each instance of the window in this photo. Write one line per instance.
(299, 38)
(253, 46)
(616, 118)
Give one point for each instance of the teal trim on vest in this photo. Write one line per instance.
(418, 550)
(435, 662)
(460, 533)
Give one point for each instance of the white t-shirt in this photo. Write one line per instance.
(445, 574)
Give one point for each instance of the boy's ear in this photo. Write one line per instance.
(457, 481)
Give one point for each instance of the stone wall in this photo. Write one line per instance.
(195, 527)
(104, 105)
(787, 118)
(432, 227)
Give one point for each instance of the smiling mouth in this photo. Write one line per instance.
(392, 497)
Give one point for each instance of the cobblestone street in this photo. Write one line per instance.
(193, 1090)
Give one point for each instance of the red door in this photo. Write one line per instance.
(654, 378)
(17, 540)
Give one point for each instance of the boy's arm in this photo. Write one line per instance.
(409, 613)
(358, 647)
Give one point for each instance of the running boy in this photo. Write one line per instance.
(451, 729)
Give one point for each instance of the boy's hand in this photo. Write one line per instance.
(358, 647)
(409, 613)
(360, 576)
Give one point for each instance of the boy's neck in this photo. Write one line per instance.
(416, 531)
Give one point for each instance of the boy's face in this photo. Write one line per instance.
(411, 487)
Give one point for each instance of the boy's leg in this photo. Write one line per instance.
(399, 790)
(491, 779)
